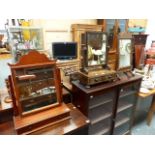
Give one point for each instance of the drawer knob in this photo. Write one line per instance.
(91, 96)
(78, 106)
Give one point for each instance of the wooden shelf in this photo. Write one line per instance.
(127, 133)
(102, 132)
(128, 93)
(124, 106)
(122, 121)
(99, 104)
(101, 118)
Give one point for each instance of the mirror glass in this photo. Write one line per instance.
(96, 48)
(36, 88)
(124, 53)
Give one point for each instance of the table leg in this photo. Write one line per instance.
(151, 111)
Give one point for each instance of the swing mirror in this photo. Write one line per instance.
(124, 51)
(96, 48)
(36, 85)
(36, 88)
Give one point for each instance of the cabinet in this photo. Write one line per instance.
(139, 41)
(23, 39)
(125, 106)
(79, 31)
(109, 106)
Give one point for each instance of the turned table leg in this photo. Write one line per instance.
(151, 111)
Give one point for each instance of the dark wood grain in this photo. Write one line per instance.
(107, 85)
(84, 98)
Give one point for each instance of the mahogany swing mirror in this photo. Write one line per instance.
(96, 49)
(36, 83)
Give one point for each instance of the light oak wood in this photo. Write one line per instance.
(5, 56)
(80, 29)
(144, 95)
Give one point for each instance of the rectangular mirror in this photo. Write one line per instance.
(124, 52)
(36, 83)
(36, 88)
(96, 48)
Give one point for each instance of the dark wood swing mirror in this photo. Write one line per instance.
(95, 55)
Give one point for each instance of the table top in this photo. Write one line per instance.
(144, 95)
(67, 85)
(5, 56)
(4, 106)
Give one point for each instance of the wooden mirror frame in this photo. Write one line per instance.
(85, 53)
(124, 36)
(34, 59)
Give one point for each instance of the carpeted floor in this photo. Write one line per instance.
(143, 129)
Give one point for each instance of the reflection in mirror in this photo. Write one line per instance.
(36, 88)
(124, 53)
(96, 48)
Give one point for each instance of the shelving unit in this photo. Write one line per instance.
(22, 39)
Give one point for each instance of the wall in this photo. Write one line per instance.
(58, 30)
(4, 71)
(53, 30)
(150, 30)
(137, 22)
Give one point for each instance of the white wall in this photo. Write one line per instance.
(150, 30)
(58, 30)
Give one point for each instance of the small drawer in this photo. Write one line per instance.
(101, 127)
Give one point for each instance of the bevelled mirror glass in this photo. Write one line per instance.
(96, 48)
